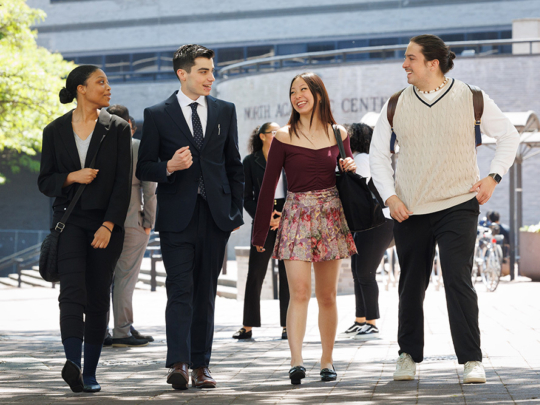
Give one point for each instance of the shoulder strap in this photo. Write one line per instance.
(478, 104)
(62, 224)
(339, 141)
(390, 112)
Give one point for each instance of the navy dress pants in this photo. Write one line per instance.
(193, 259)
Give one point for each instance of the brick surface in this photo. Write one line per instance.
(255, 371)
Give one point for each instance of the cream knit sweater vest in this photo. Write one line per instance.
(436, 163)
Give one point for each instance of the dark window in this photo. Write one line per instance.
(289, 49)
(355, 43)
(228, 56)
(91, 60)
(265, 51)
(117, 63)
(382, 42)
(145, 62)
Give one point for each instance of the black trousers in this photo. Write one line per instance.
(258, 264)
(193, 259)
(454, 230)
(85, 279)
(371, 246)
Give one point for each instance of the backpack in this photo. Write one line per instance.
(478, 104)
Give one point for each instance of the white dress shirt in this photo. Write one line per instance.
(202, 110)
(362, 168)
(494, 124)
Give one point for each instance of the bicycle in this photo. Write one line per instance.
(488, 258)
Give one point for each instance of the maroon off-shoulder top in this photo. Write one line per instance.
(306, 170)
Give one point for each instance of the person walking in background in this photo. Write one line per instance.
(436, 195)
(370, 244)
(139, 222)
(313, 228)
(91, 242)
(133, 125)
(190, 148)
(254, 167)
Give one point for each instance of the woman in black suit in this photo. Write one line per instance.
(254, 166)
(92, 239)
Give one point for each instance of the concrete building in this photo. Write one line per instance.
(133, 41)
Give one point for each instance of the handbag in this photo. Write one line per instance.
(48, 256)
(360, 199)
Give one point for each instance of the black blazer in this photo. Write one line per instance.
(164, 132)
(111, 189)
(254, 167)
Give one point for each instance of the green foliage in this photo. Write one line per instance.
(30, 79)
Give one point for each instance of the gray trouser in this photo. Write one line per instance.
(126, 275)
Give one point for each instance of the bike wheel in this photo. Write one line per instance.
(491, 273)
(478, 263)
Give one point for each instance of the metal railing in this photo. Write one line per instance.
(341, 55)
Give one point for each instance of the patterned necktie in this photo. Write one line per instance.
(198, 135)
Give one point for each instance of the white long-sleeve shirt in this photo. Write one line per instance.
(494, 124)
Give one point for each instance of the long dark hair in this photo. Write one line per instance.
(434, 48)
(76, 77)
(321, 103)
(255, 141)
(360, 136)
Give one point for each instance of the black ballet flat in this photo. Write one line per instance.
(296, 374)
(92, 388)
(328, 375)
(71, 373)
(242, 334)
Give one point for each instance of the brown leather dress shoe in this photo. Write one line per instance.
(178, 376)
(201, 378)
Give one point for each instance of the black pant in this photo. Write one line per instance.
(258, 263)
(371, 246)
(454, 230)
(85, 279)
(193, 259)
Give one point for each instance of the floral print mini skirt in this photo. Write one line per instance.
(313, 228)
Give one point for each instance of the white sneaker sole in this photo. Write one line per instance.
(403, 377)
(475, 380)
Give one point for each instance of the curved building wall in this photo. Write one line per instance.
(355, 89)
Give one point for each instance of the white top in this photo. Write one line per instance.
(202, 110)
(494, 124)
(362, 168)
(82, 147)
(280, 192)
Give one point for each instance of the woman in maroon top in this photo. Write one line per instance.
(313, 228)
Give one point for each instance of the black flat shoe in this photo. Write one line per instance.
(71, 373)
(296, 374)
(242, 334)
(92, 388)
(284, 334)
(328, 375)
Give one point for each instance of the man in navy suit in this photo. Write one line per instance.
(189, 147)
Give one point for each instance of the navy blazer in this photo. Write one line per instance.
(165, 130)
(111, 189)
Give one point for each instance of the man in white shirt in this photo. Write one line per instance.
(190, 148)
(436, 194)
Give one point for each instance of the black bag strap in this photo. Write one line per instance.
(62, 223)
(337, 134)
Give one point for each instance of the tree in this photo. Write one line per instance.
(30, 79)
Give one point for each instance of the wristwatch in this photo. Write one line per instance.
(495, 177)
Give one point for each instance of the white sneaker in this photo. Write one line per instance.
(405, 368)
(474, 372)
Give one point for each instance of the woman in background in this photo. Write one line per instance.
(254, 167)
(370, 244)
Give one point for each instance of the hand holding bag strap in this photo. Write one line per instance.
(62, 223)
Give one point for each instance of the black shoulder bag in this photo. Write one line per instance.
(48, 256)
(360, 199)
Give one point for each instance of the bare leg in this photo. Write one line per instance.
(326, 280)
(299, 277)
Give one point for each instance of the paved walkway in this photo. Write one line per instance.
(255, 371)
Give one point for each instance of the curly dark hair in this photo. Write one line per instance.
(255, 141)
(360, 136)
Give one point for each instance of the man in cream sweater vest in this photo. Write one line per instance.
(435, 196)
